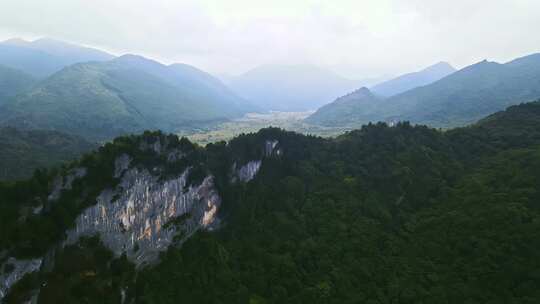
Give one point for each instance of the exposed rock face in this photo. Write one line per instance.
(248, 171)
(144, 214)
(13, 270)
(174, 155)
(65, 182)
(269, 147)
(132, 218)
(157, 146)
(121, 164)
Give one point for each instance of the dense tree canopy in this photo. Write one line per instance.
(403, 214)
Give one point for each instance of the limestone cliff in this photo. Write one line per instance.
(133, 218)
(13, 270)
(149, 208)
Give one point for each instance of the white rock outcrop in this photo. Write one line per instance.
(62, 183)
(13, 270)
(131, 219)
(248, 171)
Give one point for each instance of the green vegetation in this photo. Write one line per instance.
(347, 110)
(403, 214)
(13, 82)
(253, 122)
(83, 273)
(22, 152)
(459, 99)
(130, 94)
(25, 234)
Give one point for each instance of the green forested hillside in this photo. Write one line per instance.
(347, 110)
(470, 94)
(403, 214)
(22, 152)
(101, 100)
(459, 99)
(13, 82)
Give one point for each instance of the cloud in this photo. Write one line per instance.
(358, 38)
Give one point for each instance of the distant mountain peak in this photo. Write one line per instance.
(525, 60)
(481, 65)
(357, 96)
(49, 40)
(132, 58)
(441, 65)
(345, 108)
(413, 80)
(46, 56)
(362, 92)
(16, 42)
(291, 87)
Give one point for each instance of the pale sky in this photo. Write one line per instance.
(356, 38)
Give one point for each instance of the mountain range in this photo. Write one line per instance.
(123, 210)
(458, 99)
(43, 57)
(347, 110)
(413, 80)
(290, 88)
(103, 99)
(13, 82)
(404, 214)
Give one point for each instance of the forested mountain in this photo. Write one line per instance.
(43, 57)
(22, 152)
(13, 82)
(464, 96)
(413, 80)
(403, 214)
(129, 94)
(346, 110)
(470, 94)
(290, 88)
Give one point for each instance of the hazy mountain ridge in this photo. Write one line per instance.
(346, 109)
(462, 97)
(290, 88)
(43, 57)
(413, 80)
(469, 94)
(13, 82)
(129, 94)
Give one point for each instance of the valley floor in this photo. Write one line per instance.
(253, 122)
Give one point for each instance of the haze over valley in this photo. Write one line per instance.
(299, 151)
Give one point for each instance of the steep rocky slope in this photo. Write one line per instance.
(403, 214)
(158, 195)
